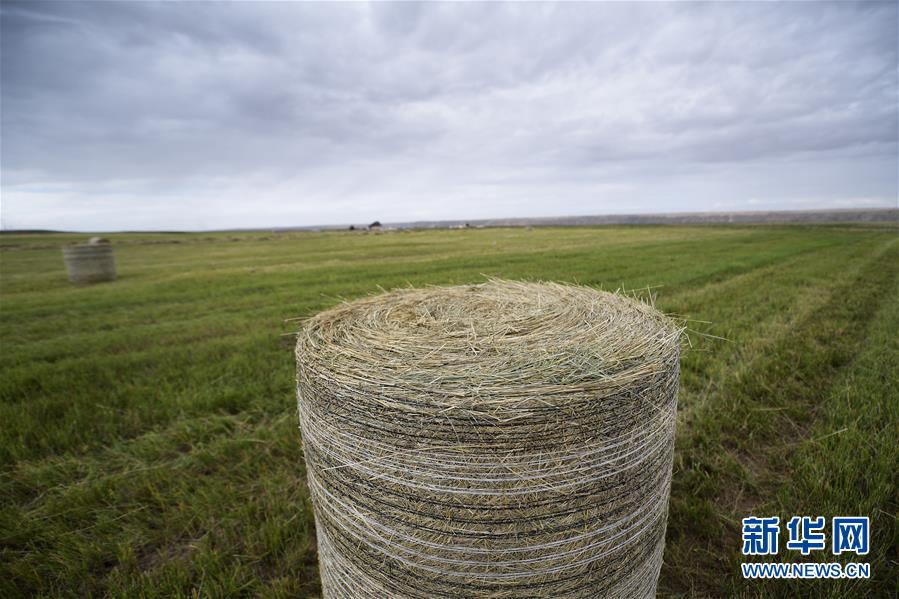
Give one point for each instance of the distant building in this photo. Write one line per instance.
(375, 226)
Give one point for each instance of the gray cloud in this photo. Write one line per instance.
(141, 115)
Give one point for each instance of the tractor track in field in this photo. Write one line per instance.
(773, 405)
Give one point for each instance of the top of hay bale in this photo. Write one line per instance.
(93, 241)
(495, 346)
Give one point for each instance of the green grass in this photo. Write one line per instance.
(149, 444)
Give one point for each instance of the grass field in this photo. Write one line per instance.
(149, 441)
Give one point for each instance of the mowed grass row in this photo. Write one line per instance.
(151, 445)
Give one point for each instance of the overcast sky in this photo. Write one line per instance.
(207, 115)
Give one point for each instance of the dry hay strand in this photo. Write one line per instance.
(91, 262)
(505, 439)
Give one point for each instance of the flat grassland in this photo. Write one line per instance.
(149, 443)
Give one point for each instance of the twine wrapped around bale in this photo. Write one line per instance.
(495, 440)
(90, 262)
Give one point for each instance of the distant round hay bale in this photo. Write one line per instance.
(499, 440)
(90, 262)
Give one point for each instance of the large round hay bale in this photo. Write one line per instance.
(91, 262)
(494, 440)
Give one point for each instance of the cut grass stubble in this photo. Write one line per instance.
(150, 445)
